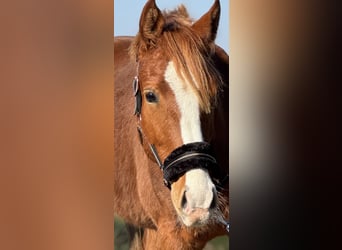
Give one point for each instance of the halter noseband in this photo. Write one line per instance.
(186, 157)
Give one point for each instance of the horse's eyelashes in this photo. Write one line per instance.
(151, 97)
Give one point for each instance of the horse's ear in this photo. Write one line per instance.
(151, 23)
(207, 25)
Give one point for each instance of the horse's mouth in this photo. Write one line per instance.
(195, 218)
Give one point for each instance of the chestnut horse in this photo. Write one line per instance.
(171, 129)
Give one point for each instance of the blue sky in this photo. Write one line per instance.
(127, 15)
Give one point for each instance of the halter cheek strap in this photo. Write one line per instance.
(138, 97)
(151, 146)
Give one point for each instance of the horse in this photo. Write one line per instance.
(171, 129)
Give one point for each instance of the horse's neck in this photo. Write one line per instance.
(125, 135)
(130, 160)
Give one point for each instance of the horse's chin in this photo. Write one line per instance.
(195, 219)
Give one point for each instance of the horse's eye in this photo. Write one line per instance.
(151, 97)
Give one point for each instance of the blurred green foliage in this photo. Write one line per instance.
(121, 238)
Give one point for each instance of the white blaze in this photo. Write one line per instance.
(188, 105)
(199, 184)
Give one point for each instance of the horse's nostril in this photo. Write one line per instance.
(184, 200)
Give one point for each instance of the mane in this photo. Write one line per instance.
(190, 54)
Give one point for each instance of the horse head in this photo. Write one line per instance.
(176, 89)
